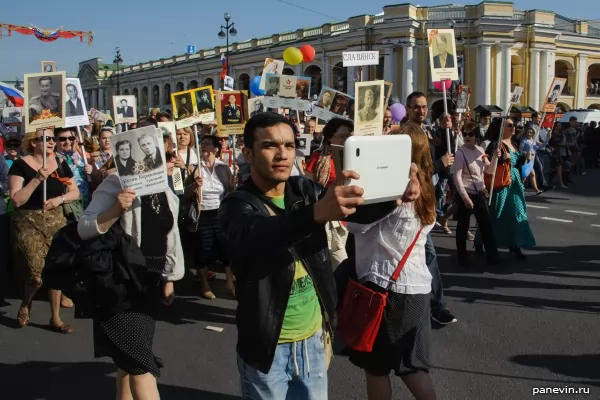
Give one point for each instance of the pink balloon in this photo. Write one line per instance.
(440, 85)
(398, 112)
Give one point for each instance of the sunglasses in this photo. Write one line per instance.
(48, 139)
(469, 134)
(64, 139)
(12, 145)
(509, 125)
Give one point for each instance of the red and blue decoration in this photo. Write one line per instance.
(46, 35)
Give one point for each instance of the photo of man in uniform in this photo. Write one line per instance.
(272, 86)
(148, 145)
(46, 100)
(125, 111)
(74, 104)
(443, 59)
(232, 113)
(184, 109)
(203, 101)
(368, 112)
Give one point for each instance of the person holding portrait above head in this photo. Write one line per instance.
(125, 111)
(232, 113)
(444, 59)
(148, 145)
(184, 110)
(258, 108)
(46, 100)
(203, 101)
(123, 161)
(35, 220)
(368, 113)
(74, 104)
(272, 86)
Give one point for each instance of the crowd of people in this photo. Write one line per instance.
(287, 231)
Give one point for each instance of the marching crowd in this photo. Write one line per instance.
(291, 237)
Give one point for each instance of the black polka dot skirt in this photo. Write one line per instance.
(127, 338)
(402, 344)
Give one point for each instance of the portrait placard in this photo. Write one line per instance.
(272, 85)
(339, 103)
(303, 144)
(48, 66)
(204, 104)
(125, 109)
(325, 98)
(515, 96)
(232, 112)
(303, 87)
(139, 160)
(271, 66)
(96, 115)
(554, 92)
(227, 157)
(368, 120)
(75, 104)
(44, 100)
(464, 93)
(12, 116)
(287, 86)
(168, 129)
(183, 108)
(256, 105)
(442, 55)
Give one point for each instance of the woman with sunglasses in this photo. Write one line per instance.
(471, 194)
(67, 152)
(508, 210)
(35, 220)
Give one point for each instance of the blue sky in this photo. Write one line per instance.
(151, 30)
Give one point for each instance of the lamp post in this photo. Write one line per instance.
(118, 60)
(229, 30)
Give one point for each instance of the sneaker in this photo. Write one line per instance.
(443, 317)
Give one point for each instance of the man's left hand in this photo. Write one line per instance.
(413, 191)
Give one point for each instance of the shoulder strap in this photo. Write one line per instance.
(400, 266)
(61, 171)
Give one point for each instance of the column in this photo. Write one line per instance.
(498, 75)
(533, 96)
(86, 96)
(351, 75)
(390, 65)
(298, 70)
(217, 81)
(544, 72)
(484, 78)
(325, 73)
(408, 67)
(551, 67)
(415, 71)
(582, 70)
(252, 72)
(94, 98)
(101, 98)
(506, 74)
(570, 88)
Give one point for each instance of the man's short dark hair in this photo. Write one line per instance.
(262, 120)
(147, 121)
(123, 100)
(45, 78)
(73, 86)
(535, 115)
(573, 118)
(164, 115)
(485, 113)
(414, 95)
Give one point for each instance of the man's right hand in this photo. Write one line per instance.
(339, 201)
(448, 159)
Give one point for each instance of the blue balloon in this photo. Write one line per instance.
(255, 86)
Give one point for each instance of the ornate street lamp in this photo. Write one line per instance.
(227, 30)
(118, 60)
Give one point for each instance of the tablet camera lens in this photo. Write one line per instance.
(357, 152)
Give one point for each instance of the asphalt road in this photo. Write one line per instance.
(521, 326)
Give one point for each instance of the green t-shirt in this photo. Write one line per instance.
(303, 313)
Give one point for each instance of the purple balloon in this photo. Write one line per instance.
(398, 112)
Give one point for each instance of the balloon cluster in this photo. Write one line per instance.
(292, 56)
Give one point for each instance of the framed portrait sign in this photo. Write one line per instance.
(368, 120)
(231, 111)
(227, 157)
(271, 66)
(442, 55)
(76, 111)
(44, 100)
(554, 92)
(183, 108)
(464, 93)
(125, 108)
(515, 96)
(256, 105)
(48, 66)
(204, 104)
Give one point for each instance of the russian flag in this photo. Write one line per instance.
(224, 69)
(13, 95)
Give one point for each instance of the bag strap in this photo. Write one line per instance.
(61, 171)
(400, 266)
(468, 169)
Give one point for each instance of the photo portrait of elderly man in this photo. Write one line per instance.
(443, 59)
(74, 104)
(258, 107)
(232, 113)
(368, 111)
(46, 99)
(153, 158)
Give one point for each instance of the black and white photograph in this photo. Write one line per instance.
(368, 119)
(125, 108)
(75, 105)
(183, 106)
(442, 55)
(12, 112)
(139, 159)
(44, 100)
(339, 103)
(48, 66)
(515, 96)
(349, 113)
(204, 100)
(272, 86)
(271, 66)
(462, 102)
(256, 105)
(168, 129)
(326, 97)
(554, 93)
(228, 83)
(303, 144)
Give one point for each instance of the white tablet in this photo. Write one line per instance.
(383, 163)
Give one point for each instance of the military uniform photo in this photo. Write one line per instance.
(46, 99)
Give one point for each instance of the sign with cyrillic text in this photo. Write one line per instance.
(360, 58)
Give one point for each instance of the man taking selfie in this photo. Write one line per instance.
(274, 228)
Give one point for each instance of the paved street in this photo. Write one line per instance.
(521, 325)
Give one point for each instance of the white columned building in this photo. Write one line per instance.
(484, 75)
(408, 66)
(582, 70)
(498, 99)
(534, 78)
(506, 73)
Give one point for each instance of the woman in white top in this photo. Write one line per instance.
(470, 162)
(402, 344)
(215, 182)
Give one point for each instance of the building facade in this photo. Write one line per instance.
(498, 48)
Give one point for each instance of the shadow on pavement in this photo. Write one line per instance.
(76, 381)
(577, 366)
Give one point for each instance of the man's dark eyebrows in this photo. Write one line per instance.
(267, 143)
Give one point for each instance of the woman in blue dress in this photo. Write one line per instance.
(508, 210)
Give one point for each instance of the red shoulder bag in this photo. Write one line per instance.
(361, 310)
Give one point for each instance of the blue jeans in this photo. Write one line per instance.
(298, 372)
(440, 195)
(538, 168)
(437, 288)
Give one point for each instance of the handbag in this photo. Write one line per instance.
(189, 210)
(361, 311)
(502, 178)
(73, 209)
